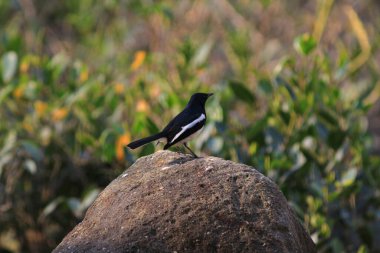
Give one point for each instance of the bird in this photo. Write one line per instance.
(183, 126)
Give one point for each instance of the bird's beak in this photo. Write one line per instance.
(210, 94)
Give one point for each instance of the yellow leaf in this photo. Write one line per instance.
(18, 92)
(59, 114)
(324, 9)
(24, 67)
(361, 35)
(138, 60)
(27, 126)
(142, 106)
(119, 88)
(155, 91)
(83, 76)
(45, 135)
(122, 141)
(40, 107)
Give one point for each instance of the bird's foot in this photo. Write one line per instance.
(194, 155)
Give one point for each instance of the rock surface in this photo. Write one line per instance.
(170, 202)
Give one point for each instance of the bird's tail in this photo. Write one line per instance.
(143, 141)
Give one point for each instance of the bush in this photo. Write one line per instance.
(70, 101)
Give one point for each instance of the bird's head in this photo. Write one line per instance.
(199, 98)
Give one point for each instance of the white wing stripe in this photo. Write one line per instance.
(188, 126)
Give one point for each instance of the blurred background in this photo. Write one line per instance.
(296, 85)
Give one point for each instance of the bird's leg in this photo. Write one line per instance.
(194, 155)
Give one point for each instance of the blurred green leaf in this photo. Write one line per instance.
(305, 44)
(240, 43)
(147, 149)
(187, 50)
(241, 91)
(4, 159)
(349, 177)
(75, 206)
(9, 65)
(30, 166)
(52, 206)
(202, 53)
(362, 249)
(327, 115)
(86, 138)
(266, 3)
(337, 246)
(9, 142)
(33, 150)
(266, 86)
(282, 82)
(215, 144)
(107, 143)
(256, 129)
(89, 198)
(152, 127)
(5, 92)
(336, 138)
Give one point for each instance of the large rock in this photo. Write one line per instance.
(169, 202)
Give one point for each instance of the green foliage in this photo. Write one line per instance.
(241, 92)
(305, 44)
(9, 63)
(71, 100)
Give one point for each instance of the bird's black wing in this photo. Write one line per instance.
(183, 125)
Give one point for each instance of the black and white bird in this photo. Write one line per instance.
(183, 126)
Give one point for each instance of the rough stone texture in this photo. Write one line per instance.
(170, 202)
